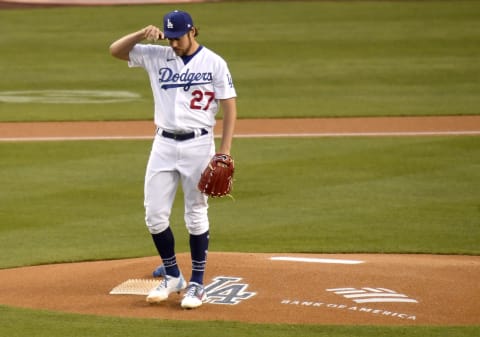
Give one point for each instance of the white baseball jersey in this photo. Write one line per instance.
(185, 95)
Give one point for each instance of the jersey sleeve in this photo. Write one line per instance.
(142, 54)
(223, 82)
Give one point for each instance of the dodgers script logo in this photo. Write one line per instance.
(185, 80)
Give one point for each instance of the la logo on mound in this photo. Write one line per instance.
(227, 290)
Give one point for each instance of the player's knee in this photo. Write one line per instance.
(197, 223)
(197, 228)
(156, 223)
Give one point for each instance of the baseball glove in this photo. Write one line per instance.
(217, 178)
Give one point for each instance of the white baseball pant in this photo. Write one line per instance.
(171, 162)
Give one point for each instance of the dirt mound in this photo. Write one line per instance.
(269, 288)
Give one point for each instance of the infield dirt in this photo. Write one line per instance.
(374, 126)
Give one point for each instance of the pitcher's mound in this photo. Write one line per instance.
(266, 288)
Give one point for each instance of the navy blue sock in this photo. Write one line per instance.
(198, 250)
(165, 244)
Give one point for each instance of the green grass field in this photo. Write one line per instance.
(408, 195)
(21, 322)
(292, 59)
(83, 200)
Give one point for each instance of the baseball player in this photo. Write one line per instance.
(189, 84)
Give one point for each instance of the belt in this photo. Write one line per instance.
(183, 136)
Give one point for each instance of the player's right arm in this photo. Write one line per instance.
(122, 47)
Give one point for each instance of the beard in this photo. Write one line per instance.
(184, 51)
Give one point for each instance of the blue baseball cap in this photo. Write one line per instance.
(176, 24)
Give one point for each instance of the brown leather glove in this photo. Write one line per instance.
(217, 178)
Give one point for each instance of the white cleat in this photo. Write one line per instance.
(168, 285)
(194, 296)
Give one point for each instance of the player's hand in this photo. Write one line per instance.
(152, 33)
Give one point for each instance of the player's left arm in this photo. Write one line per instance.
(229, 109)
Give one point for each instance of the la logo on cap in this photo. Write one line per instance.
(176, 24)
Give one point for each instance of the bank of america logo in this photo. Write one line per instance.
(372, 295)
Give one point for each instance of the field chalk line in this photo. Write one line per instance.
(314, 260)
(258, 135)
